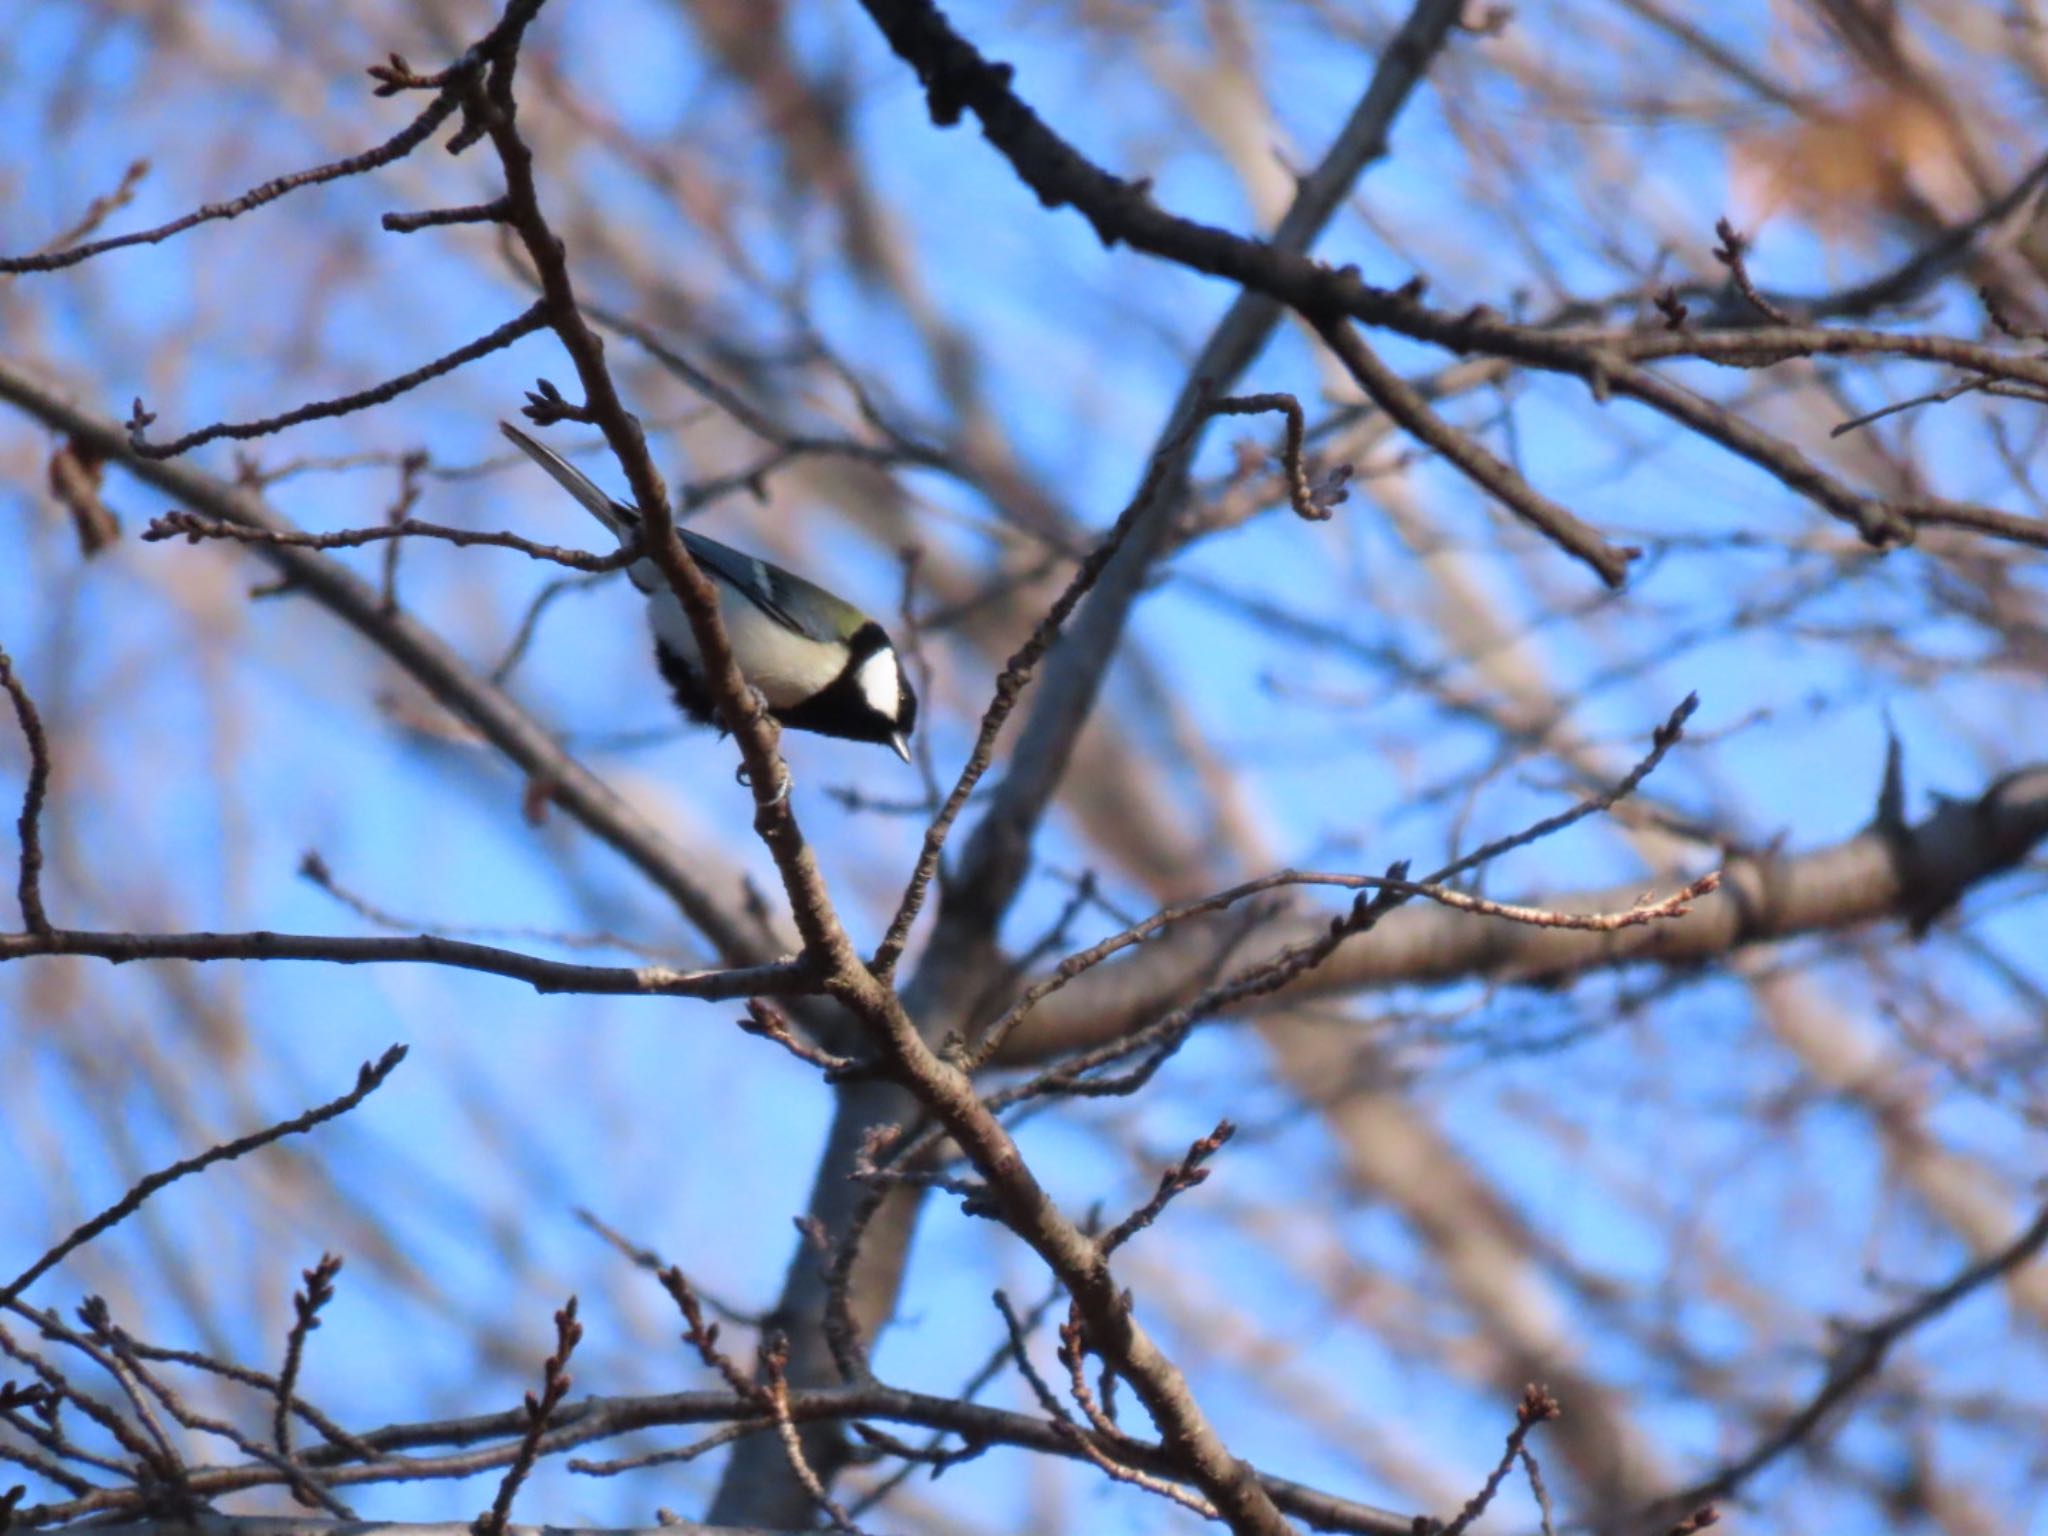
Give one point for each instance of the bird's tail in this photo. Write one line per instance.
(623, 521)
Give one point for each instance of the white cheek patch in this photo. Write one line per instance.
(881, 683)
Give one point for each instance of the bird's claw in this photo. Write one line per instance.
(782, 787)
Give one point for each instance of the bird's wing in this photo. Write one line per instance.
(796, 604)
(615, 515)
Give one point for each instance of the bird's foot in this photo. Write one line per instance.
(782, 786)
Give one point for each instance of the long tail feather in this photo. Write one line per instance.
(620, 518)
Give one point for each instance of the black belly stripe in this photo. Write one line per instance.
(684, 683)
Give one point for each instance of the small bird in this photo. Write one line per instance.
(820, 664)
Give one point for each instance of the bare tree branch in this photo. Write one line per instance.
(192, 528)
(368, 1081)
(1912, 874)
(588, 1420)
(29, 884)
(958, 78)
(1857, 1357)
(342, 405)
(787, 978)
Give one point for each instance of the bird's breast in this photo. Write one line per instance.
(787, 667)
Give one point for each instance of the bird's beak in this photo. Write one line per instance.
(901, 745)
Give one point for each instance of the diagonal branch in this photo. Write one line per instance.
(342, 405)
(1674, 905)
(1017, 672)
(1912, 873)
(1858, 1357)
(1405, 405)
(368, 1080)
(397, 147)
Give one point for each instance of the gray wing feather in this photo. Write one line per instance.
(792, 602)
(798, 605)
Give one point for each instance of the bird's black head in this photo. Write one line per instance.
(870, 700)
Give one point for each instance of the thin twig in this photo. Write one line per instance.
(1537, 1407)
(1010, 684)
(120, 1365)
(674, 1456)
(1537, 1487)
(1732, 253)
(1405, 404)
(1855, 1359)
(840, 1323)
(304, 1485)
(397, 147)
(1676, 904)
(1177, 1180)
(1073, 1353)
(47, 1467)
(555, 1382)
(783, 978)
(409, 469)
(368, 1080)
(313, 867)
(1662, 740)
(97, 211)
(258, 1381)
(968, 1391)
(1311, 503)
(191, 527)
(306, 1305)
(771, 1023)
(492, 212)
(774, 1362)
(534, 319)
(1165, 1035)
(1079, 1438)
(702, 1336)
(529, 622)
(146, 1471)
(28, 886)
(1935, 397)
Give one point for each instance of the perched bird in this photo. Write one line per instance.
(819, 662)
